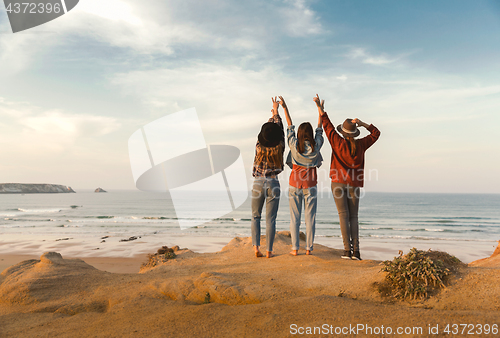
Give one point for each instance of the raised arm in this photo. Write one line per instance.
(276, 116)
(369, 140)
(320, 104)
(360, 123)
(276, 105)
(285, 109)
(330, 132)
(321, 109)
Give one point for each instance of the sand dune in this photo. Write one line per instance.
(248, 296)
(491, 262)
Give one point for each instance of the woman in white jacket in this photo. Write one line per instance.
(303, 159)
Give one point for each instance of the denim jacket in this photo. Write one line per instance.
(309, 158)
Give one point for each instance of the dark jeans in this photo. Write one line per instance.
(347, 201)
(265, 190)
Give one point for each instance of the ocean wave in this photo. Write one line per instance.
(326, 222)
(422, 229)
(38, 211)
(30, 220)
(462, 222)
(427, 238)
(463, 217)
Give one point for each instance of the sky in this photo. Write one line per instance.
(426, 73)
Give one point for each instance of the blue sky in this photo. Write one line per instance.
(424, 72)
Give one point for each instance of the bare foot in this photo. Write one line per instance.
(257, 251)
(308, 252)
(294, 252)
(269, 254)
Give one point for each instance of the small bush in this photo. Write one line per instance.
(151, 263)
(162, 255)
(414, 275)
(170, 255)
(207, 298)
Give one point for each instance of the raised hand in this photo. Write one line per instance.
(276, 105)
(317, 100)
(285, 108)
(360, 123)
(282, 102)
(320, 104)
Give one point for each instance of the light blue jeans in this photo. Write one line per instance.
(310, 198)
(265, 190)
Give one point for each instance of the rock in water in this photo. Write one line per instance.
(100, 190)
(24, 188)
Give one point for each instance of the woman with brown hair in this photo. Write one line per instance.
(347, 173)
(304, 157)
(268, 163)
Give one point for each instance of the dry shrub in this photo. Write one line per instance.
(419, 273)
(162, 255)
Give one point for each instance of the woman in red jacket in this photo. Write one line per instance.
(347, 174)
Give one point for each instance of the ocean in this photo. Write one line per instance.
(464, 221)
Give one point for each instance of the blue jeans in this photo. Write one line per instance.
(265, 190)
(347, 201)
(310, 198)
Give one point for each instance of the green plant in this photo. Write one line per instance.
(170, 255)
(415, 274)
(207, 298)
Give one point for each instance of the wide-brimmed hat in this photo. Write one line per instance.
(270, 135)
(348, 129)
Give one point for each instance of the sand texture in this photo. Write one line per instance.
(248, 296)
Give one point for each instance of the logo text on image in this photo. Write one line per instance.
(204, 181)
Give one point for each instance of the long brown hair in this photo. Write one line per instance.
(352, 145)
(273, 156)
(305, 133)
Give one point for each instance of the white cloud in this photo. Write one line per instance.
(36, 131)
(215, 90)
(301, 20)
(165, 28)
(114, 10)
(365, 57)
(18, 50)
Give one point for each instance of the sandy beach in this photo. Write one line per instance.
(60, 296)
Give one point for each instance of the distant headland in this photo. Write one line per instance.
(27, 188)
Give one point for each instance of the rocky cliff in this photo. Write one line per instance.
(25, 188)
